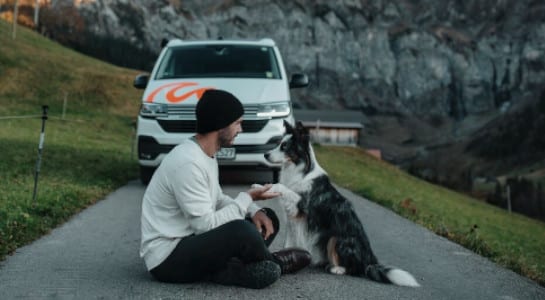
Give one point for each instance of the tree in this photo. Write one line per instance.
(15, 13)
(62, 23)
(36, 13)
(541, 201)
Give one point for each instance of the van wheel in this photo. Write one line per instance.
(145, 174)
(276, 175)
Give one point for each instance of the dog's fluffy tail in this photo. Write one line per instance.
(384, 274)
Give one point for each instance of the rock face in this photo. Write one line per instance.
(424, 57)
(444, 67)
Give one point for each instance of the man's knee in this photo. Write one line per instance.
(274, 218)
(242, 230)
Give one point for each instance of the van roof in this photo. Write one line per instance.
(262, 42)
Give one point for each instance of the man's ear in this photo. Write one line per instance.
(289, 128)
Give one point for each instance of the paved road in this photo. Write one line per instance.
(95, 256)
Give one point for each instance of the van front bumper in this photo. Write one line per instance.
(151, 153)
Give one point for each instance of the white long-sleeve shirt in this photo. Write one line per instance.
(184, 198)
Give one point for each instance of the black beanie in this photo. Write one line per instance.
(216, 110)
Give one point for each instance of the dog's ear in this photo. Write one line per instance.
(302, 132)
(289, 128)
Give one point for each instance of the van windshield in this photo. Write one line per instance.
(213, 61)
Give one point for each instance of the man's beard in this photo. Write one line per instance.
(224, 138)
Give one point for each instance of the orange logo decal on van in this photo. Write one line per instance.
(172, 88)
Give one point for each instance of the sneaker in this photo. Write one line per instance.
(255, 275)
(292, 260)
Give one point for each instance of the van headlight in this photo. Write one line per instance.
(274, 110)
(153, 110)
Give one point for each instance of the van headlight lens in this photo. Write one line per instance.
(153, 110)
(274, 110)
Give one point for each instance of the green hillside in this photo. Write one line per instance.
(89, 154)
(86, 155)
(512, 240)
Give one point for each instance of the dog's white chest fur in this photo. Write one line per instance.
(297, 235)
(292, 184)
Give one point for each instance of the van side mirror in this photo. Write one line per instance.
(298, 81)
(164, 42)
(141, 81)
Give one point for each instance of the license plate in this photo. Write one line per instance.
(226, 153)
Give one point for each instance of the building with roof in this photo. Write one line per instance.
(332, 127)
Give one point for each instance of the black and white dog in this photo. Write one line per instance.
(320, 219)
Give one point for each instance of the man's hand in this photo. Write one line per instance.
(263, 223)
(258, 192)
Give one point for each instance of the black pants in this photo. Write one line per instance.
(198, 257)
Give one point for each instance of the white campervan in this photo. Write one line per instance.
(253, 71)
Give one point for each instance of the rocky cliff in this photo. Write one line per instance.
(426, 57)
(428, 74)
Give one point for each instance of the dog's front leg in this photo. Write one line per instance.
(296, 234)
(295, 225)
(288, 200)
(291, 239)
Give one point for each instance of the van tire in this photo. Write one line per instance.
(276, 175)
(145, 174)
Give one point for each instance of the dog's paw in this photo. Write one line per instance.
(256, 186)
(278, 187)
(290, 207)
(288, 200)
(337, 270)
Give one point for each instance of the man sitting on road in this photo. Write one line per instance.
(191, 231)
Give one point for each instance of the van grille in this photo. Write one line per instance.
(178, 125)
(182, 110)
(189, 126)
(189, 111)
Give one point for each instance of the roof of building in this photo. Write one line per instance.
(344, 125)
(329, 118)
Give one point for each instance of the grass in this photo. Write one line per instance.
(511, 240)
(86, 155)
